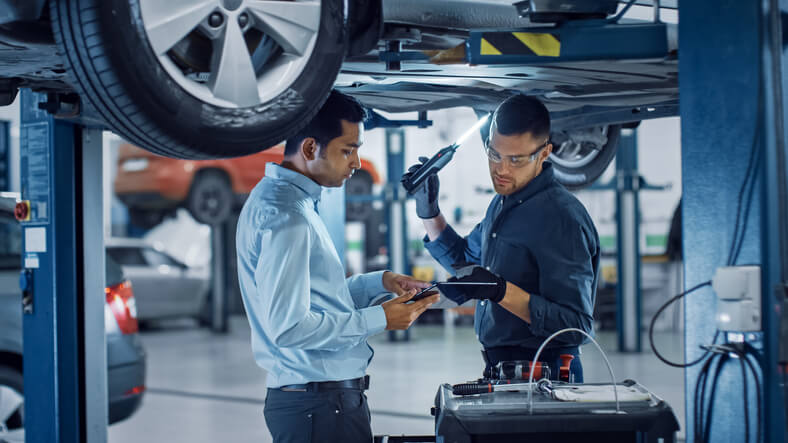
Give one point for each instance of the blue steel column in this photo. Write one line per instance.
(54, 402)
(720, 69)
(395, 209)
(774, 216)
(628, 296)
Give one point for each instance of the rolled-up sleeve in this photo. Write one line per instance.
(565, 298)
(450, 248)
(283, 298)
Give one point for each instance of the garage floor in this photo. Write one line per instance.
(206, 388)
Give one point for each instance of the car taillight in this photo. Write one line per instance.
(120, 299)
(137, 390)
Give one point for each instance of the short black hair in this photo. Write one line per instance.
(327, 124)
(520, 114)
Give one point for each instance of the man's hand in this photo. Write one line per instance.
(400, 284)
(477, 274)
(426, 195)
(399, 316)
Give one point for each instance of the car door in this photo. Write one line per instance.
(185, 290)
(151, 286)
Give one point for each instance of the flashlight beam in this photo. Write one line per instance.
(473, 129)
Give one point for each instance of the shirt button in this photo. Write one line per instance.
(487, 268)
(494, 235)
(336, 411)
(482, 303)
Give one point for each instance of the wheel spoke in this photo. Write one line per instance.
(233, 77)
(11, 402)
(292, 24)
(281, 68)
(168, 21)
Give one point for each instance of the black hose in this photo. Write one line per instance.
(654, 320)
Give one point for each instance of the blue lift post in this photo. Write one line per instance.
(731, 107)
(395, 210)
(628, 294)
(62, 279)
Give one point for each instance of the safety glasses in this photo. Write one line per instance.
(516, 161)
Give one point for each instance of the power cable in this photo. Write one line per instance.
(654, 320)
(703, 409)
(751, 167)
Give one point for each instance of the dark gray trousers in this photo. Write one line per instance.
(340, 415)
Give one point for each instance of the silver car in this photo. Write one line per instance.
(164, 287)
(125, 354)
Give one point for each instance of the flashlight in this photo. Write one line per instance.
(439, 160)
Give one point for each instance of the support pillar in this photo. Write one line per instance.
(732, 117)
(628, 294)
(63, 269)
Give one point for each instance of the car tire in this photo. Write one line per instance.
(11, 382)
(112, 64)
(576, 166)
(145, 219)
(211, 197)
(359, 184)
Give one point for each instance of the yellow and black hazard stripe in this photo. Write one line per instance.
(521, 43)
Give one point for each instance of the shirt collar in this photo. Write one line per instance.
(539, 183)
(302, 182)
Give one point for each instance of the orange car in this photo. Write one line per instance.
(152, 186)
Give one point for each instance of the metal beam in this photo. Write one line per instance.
(54, 369)
(628, 294)
(572, 41)
(730, 115)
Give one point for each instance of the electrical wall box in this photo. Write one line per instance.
(738, 291)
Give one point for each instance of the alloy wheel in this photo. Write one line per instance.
(232, 53)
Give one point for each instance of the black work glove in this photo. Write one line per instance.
(477, 274)
(426, 195)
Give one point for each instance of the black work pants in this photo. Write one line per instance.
(340, 415)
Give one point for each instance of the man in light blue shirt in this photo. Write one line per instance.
(309, 324)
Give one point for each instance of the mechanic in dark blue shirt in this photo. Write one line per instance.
(536, 242)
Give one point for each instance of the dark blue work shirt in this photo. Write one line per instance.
(541, 239)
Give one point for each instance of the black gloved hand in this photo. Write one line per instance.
(426, 195)
(477, 274)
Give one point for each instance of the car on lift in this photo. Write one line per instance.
(125, 353)
(152, 186)
(163, 286)
(224, 78)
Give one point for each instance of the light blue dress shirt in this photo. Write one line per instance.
(308, 322)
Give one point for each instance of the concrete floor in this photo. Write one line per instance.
(206, 388)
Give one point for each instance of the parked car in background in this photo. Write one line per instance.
(152, 186)
(125, 354)
(164, 287)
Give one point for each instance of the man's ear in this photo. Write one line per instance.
(546, 151)
(309, 148)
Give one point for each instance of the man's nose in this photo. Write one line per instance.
(356, 161)
(501, 167)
